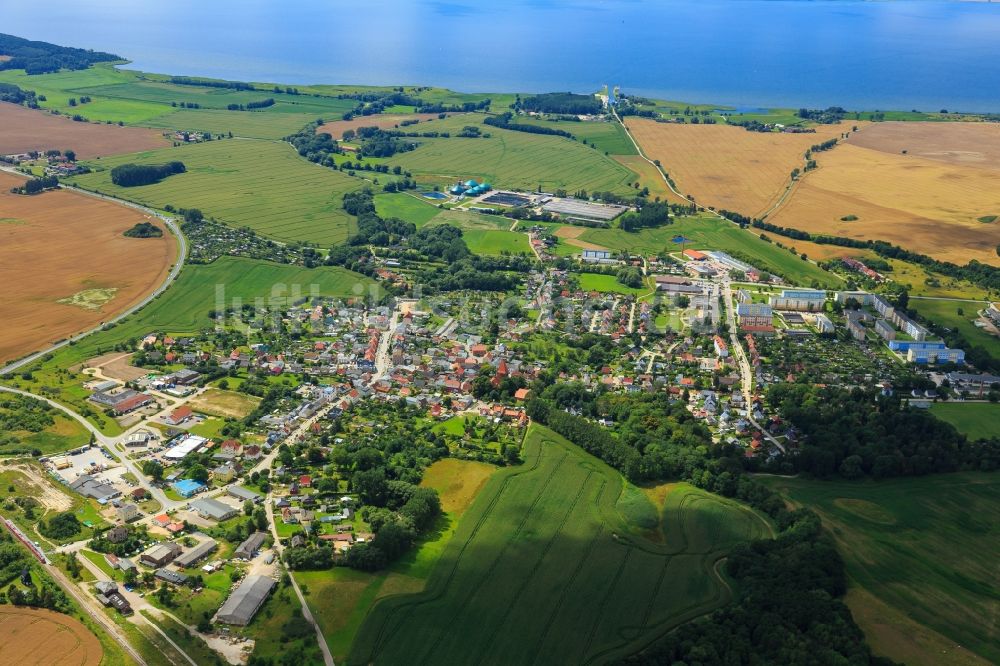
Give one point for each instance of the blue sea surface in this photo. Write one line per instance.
(900, 54)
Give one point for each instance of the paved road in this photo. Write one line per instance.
(174, 272)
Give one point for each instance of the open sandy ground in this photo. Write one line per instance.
(23, 130)
(926, 205)
(57, 244)
(725, 166)
(36, 637)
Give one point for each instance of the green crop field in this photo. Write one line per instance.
(607, 136)
(263, 185)
(496, 242)
(515, 160)
(407, 207)
(711, 233)
(255, 125)
(926, 550)
(946, 313)
(543, 568)
(976, 420)
(608, 284)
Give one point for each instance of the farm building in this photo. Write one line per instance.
(245, 601)
(200, 551)
(213, 509)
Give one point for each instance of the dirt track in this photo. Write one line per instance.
(23, 130)
(57, 244)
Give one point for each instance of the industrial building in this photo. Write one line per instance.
(245, 601)
(243, 494)
(161, 554)
(200, 551)
(213, 509)
(88, 486)
(189, 444)
(248, 549)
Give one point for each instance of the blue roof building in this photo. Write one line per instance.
(187, 487)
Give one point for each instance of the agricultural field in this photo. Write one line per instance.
(23, 130)
(45, 638)
(241, 123)
(92, 271)
(926, 205)
(337, 128)
(514, 160)
(263, 185)
(341, 598)
(712, 233)
(975, 420)
(727, 167)
(412, 208)
(467, 220)
(920, 557)
(544, 554)
(970, 144)
(649, 177)
(946, 313)
(607, 136)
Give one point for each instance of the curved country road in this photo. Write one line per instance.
(171, 276)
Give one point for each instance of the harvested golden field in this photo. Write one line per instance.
(337, 128)
(920, 204)
(726, 166)
(571, 235)
(23, 130)
(59, 244)
(35, 637)
(968, 144)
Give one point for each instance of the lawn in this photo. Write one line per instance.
(409, 207)
(608, 284)
(514, 160)
(711, 233)
(925, 549)
(263, 185)
(543, 554)
(976, 420)
(946, 313)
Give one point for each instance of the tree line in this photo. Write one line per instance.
(42, 57)
(503, 121)
(250, 106)
(564, 103)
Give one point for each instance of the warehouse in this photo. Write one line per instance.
(161, 554)
(200, 551)
(213, 509)
(245, 601)
(248, 549)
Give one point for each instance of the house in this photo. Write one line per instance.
(161, 520)
(128, 512)
(522, 394)
(116, 534)
(161, 554)
(224, 473)
(213, 509)
(249, 548)
(139, 494)
(305, 481)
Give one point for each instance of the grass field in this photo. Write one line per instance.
(926, 205)
(926, 549)
(608, 284)
(514, 160)
(976, 420)
(263, 185)
(946, 314)
(406, 207)
(607, 136)
(543, 555)
(725, 166)
(224, 403)
(496, 242)
(714, 234)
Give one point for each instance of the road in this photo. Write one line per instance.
(737, 352)
(171, 276)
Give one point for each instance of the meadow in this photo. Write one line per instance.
(412, 208)
(608, 284)
(946, 314)
(514, 160)
(607, 136)
(975, 420)
(926, 205)
(253, 125)
(263, 185)
(925, 550)
(727, 167)
(712, 233)
(545, 555)
(496, 242)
